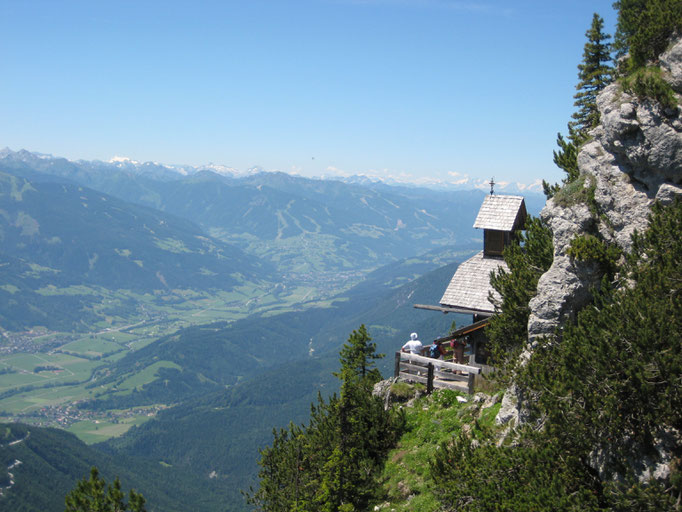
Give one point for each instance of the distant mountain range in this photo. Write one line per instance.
(167, 171)
(301, 225)
(62, 236)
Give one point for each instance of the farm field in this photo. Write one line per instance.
(40, 384)
(96, 431)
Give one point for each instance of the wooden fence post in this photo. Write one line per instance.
(396, 370)
(470, 383)
(429, 379)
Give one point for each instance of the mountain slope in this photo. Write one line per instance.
(303, 225)
(59, 235)
(210, 357)
(227, 427)
(46, 464)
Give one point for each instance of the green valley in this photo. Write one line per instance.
(181, 336)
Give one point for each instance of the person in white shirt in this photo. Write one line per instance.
(414, 346)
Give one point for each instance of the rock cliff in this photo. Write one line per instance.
(634, 158)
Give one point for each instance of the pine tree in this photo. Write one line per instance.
(644, 29)
(629, 12)
(358, 355)
(331, 464)
(594, 73)
(527, 259)
(94, 495)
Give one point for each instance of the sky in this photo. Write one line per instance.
(413, 90)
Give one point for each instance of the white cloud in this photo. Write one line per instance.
(335, 171)
(536, 186)
(463, 181)
(460, 179)
(122, 159)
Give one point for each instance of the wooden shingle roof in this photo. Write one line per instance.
(503, 213)
(470, 285)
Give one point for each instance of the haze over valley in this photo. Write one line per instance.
(126, 292)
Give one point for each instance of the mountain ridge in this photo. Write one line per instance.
(162, 170)
(60, 235)
(273, 215)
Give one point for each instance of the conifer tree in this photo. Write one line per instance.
(629, 12)
(594, 73)
(358, 355)
(528, 258)
(331, 464)
(644, 29)
(94, 495)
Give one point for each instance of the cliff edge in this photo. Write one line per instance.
(634, 158)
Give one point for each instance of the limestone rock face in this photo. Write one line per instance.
(633, 159)
(671, 61)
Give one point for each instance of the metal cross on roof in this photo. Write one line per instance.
(492, 184)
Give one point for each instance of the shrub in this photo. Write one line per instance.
(576, 192)
(647, 82)
(590, 248)
(402, 390)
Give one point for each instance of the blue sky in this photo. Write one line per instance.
(413, 89)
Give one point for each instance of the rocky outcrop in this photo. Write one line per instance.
(405, 394)
(633, 159)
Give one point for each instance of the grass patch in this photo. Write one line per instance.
(488, 415)
(36, 399)
(482, 384)
(648, 82)
(96, 431)
(402, 390)
(146, 376)
(91, 346)
(9, 288)
(432, 422)
(171, 245)
(51, 290)
(577, 192)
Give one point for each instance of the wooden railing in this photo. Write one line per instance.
(435, 373)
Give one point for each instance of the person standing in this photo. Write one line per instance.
(458, 350)
(413, 346)
(435, 351)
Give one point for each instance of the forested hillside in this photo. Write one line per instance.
(301, 225)
(46, 463)
(64, 247)
(232, 384)
(227, 427)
